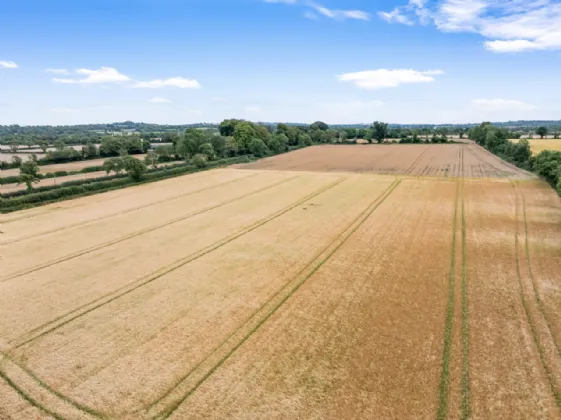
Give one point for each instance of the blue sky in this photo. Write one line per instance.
(341, 61)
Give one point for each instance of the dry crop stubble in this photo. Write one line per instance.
(160, 326)
(49, 222)
(362, 336)
(113, 268)
(506, 375)
(119, 228)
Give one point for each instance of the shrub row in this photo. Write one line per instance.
(24, 199)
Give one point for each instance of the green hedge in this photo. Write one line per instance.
(25, 199)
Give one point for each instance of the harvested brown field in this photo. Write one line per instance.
(448, 160)
(290, 294)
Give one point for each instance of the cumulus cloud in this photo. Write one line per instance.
(507, 26)
(384, 78)
(158, 100)
(101, 75)
(178, 82)
(59, 71)
(8, 65)
(500, 104)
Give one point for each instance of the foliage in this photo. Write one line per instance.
(257, 147)
(151, 159)
(16, 161)
(29, 174)
(541, 131)
(200, 161)
(243, 133)
(230, 147)
(135, 168)
(115, 164)
(380, 131)
(207, 150)
(319, 125)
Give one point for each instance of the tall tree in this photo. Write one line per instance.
(29, 174)
(380, 131)
(541, 131)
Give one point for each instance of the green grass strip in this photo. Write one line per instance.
(444, 387)
(175, 406)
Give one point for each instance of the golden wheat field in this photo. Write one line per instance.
(303, 286)
(539, 145)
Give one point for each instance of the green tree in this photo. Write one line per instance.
(304, 139)
(243, 133)
(380, 131)
(44, 146)
(257, 147)
(200, 161)
(151, 159)
(227, 127)
(16, 161)
(541, 131)
(319, 125)
(230, 147)
(207, 150)
(59, 145)
(29, 174)
(134, 167)
(114, 164)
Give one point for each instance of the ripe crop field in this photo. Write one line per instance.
(539, 145)
(312, 290)
(396, 159)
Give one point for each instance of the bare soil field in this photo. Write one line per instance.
(289, 294)
(71, 166)
(393, 159)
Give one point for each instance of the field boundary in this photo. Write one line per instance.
(312, 268)
(167, 269)
(140, 232)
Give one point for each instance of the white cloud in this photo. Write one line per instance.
(101, 75)
(158, 100)
(500, 104)
(340, 14)
(8, 65)
(384, 78)
(395, 16)
(65, 110)
(58, 71)
(178, 82)
(508, 26)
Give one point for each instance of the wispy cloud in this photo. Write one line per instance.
(507, 26)
(59, 71)
(316, 9)
(158, 100)
(384, 78)
(178, 82)
(8, 65)
(101, 75)
(500, 104)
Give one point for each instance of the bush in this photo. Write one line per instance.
(200, 161)
(257, 147)
(207, 150)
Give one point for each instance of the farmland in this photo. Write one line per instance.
(356, 282)
(539, 145)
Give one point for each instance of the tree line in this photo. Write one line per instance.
(495, 139)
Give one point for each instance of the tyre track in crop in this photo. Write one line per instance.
(110, 297)
(138, 233)
(81, 411)
(66, 227)
(465, 407)
(416, 161)
(444, 387)
(530, 320)
(311, 270)
(537, 297)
